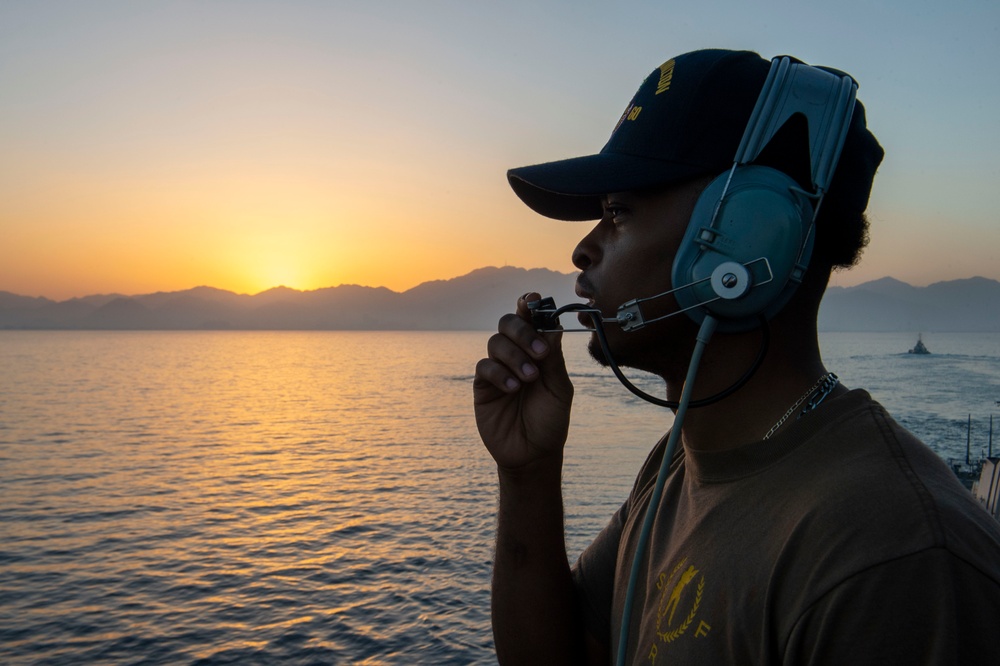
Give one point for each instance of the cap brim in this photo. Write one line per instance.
(572, 189)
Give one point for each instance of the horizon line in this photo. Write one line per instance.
(120, 294)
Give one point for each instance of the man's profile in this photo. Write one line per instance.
(785, 518)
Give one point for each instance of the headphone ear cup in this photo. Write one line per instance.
(744, 255)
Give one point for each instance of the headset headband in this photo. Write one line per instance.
(824, 96)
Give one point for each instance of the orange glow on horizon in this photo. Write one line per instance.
(252, 228)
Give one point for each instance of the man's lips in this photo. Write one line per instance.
(585, 290)
(586, 319)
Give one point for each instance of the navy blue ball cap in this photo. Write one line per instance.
(685, 121)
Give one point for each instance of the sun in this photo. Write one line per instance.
(265, 261)
(282, 276)
(283, 273)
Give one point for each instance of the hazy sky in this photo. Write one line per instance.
(150, 146)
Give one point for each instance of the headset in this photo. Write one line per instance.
(751, 234)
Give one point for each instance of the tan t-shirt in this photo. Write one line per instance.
(842, 540)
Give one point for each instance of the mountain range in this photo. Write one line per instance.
(471, 302)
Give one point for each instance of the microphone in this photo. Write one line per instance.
(545, 316)
(729, 281)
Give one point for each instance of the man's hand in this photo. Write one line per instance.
(522, 398)
(522, 392)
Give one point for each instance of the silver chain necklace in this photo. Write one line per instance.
(816, 394)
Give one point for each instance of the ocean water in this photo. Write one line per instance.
(318, 497)
(936, 395)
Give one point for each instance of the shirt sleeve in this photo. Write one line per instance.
(930, 607)
(594, 572)
(594, 578)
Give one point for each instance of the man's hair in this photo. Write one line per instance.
(841, 224)
(841, 237)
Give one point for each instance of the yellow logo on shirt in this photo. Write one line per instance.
(681, 590)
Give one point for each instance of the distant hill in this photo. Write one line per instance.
(471, 302)
(972, 304)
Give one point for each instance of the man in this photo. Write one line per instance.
(797, 522)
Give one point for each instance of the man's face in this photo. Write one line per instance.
(628, 255)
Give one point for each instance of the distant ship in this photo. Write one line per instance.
(919, 348)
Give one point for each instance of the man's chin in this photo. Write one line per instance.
(621, 357)
(597, 351)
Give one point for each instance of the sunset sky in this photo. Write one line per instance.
(157, 146)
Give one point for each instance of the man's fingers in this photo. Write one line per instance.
(489, 373)
(512, 356)
(524, 335)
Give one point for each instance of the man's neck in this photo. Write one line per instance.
(790, 370)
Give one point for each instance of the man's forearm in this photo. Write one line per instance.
(534, 609)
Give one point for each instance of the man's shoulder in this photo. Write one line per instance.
(883, 493)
